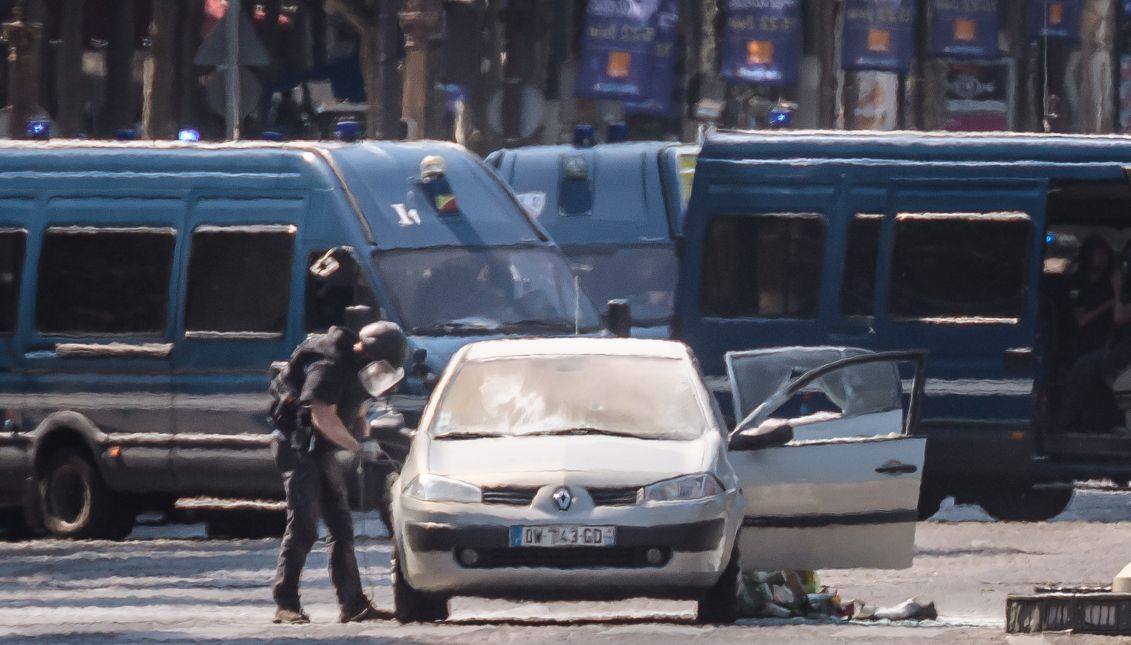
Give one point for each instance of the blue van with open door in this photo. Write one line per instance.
(615, 210)
(145, 289)
(962, 245)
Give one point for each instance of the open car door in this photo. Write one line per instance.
(841, 490)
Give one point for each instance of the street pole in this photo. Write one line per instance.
(232, 78)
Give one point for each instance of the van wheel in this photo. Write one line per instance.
(1024, 503)
(410, 605)
(77, 504)
(719, 606)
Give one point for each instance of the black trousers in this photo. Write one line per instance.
(313, 482)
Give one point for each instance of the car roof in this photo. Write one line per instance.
(520, 347)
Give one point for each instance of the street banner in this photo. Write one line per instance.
(761, 41)
(963, 28)
(979, 96)
(1058, 19)
(618, 50)
(879, 35)
(658, 99)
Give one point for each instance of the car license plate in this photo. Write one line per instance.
(551, 536)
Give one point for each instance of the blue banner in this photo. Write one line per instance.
(1054, 19)
(964, 28)
(879, 35)
(761, 41)
(659, 96)
(618, 50)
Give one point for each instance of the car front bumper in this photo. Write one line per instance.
(693, 541)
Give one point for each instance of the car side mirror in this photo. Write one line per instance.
(767, 435)
(619, 318)
(359, 316)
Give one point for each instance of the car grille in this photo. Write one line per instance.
(614, 496)
(512, 496)
(566, 558)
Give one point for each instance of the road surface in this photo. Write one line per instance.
(171, 584)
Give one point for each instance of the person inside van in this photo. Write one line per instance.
(1088, 404)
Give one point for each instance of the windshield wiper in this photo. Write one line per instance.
(542, 325)
(455, 328)
(577, 432)
(448, 436)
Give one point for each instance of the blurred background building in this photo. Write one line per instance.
(489, 73)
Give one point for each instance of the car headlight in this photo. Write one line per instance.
(433, 488)
(683, 488)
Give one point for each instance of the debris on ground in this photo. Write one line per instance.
(798, 594)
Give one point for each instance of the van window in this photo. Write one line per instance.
(104, 280)
(12, 245)
(763, 266)
(857, 292)
(239, 279)
(963, 266)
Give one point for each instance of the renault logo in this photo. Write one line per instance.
(563, 498)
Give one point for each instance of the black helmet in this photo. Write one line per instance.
(384, 341)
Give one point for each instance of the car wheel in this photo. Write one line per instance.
(77, 504)
(719, 606)
(410, 605)
(1024, 503)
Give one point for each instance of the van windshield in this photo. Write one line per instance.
(485, 290)
(645, 276)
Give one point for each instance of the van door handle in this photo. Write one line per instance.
(114, 350)
(894, 467)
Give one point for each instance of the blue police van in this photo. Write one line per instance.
(615, 210)
(963, 245)
(146, 288)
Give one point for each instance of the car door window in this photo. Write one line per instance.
(104, 281)
(239, 280)
(763, 266)
(12, 247)
(960, 266)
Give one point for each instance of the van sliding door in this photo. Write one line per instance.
(958, 271)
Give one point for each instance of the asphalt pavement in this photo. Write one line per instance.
(171, 584)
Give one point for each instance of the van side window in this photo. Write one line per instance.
(104, 280)
(12, 248)
(763, 266)
(965, 266)
(239, 279)
(857, 292)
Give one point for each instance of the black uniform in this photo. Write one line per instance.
(316, 477)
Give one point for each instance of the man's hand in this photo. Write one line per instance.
(371, 451)
(326, 422)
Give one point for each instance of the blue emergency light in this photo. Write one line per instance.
(40, 130)
(583, 135)
(272, 135)
(126, 134)
(780, 116)
(347, 131)
(617, 132)
(188, 135)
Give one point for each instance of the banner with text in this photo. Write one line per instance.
(1054, 19)
(761, 41)
(964, 28)
(618, 50)
(879, 35)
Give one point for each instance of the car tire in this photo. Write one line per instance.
(77, 504)
(1024, 503)
(719, 606)
(410, 605)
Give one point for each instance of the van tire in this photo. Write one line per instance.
(719, 606)
(410, 605)
(1024, 503)
(77, 504)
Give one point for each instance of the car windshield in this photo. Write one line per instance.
(486, 290)
(639, 396)
(645, 276)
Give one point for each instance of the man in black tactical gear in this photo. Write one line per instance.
(334, 375)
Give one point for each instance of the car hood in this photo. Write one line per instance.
(547, 460)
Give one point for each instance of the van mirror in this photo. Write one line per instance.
(769, 434)
(359, 316)
(619, 318)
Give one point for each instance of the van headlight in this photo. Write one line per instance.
(433, 488)
(684, 488)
